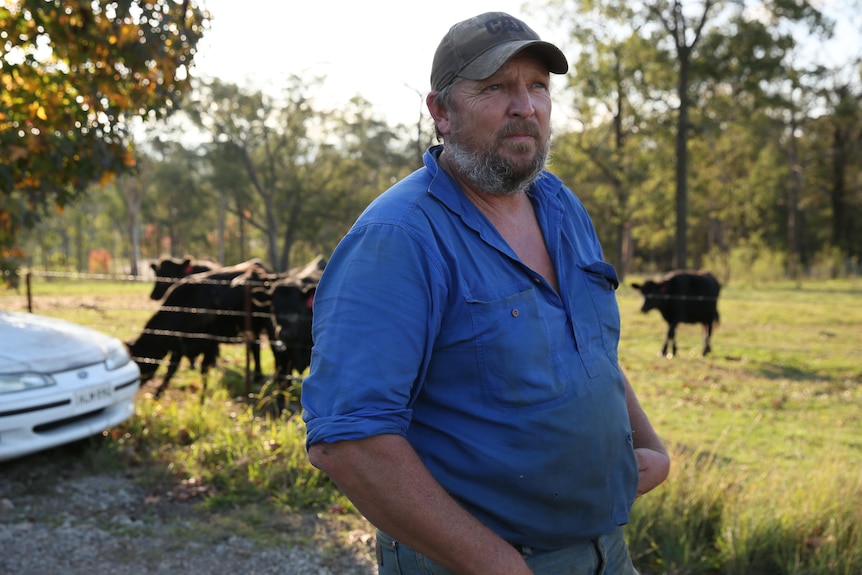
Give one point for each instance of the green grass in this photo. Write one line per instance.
(765, 433)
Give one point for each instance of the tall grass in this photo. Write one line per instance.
(226, 450)
(764, 434)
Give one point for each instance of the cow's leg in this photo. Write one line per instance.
(670, 341)
(707, 331)
(210, 356)
(275, 346)
(255, 352)
(204, 378)
(280, 355)
(174, 364)
(252, 344)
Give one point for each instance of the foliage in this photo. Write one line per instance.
(290, 168)
(240, 456)
(774, 157)
(73, 77)
(695, 129)
(180, 210)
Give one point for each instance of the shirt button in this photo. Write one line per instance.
(537, 281)
(515, 313)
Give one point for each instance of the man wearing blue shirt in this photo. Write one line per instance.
(465, 391)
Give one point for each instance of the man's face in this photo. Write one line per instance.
(499, 128)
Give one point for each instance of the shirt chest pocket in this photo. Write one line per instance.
(603, 324)
(517, 339)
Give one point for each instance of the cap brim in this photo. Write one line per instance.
(486, 64)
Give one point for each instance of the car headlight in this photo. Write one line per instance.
(116, 356)
(11, 382)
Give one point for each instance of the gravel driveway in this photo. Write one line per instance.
(57, 518)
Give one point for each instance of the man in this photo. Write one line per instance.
(465, 391)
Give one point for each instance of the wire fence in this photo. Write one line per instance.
(245, 316)
(644, 330)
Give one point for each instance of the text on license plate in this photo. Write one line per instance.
(94, 394)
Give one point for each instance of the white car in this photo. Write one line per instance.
(59, 382)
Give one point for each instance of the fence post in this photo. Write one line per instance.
(29, 294)
(248, 336)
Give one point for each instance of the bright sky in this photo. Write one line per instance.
(379, 49)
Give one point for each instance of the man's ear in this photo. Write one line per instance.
(438, 112)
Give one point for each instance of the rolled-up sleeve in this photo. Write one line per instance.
(374, 326)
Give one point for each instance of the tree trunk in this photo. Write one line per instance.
(681, 252)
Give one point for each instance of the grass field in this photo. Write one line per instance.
(765, 433)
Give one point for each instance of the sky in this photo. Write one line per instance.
(378, 49)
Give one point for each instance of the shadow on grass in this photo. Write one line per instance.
(793, 373)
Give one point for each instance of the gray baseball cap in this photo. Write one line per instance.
(478, 47)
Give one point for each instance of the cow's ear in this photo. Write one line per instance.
(309, 297)
(154, 266)
(637, 286)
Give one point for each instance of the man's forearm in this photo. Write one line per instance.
(391, 486)
(652, 458)
(643, 434)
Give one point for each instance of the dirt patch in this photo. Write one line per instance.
(57, 517)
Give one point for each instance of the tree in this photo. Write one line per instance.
(181, 209)
(676, 29)
(74, 75)
(685, 32)
(845, 101)
(302, 168)
(609, 91)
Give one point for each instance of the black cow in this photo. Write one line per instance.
(170, 270)
(683, 297)
(291, 300)
(151, 347)
(202, 310)
(292, 304)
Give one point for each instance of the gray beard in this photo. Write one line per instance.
(491, 173)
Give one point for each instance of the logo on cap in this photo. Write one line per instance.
(504, 24)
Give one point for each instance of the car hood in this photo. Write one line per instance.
(33, 342)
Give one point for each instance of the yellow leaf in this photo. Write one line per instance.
(37, 110)
(107, 178)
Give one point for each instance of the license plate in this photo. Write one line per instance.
(94, 394)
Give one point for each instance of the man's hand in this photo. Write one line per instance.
(653, 467)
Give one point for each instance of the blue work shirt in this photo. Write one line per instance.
(429, 326)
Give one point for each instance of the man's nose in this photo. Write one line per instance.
(522, 103)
